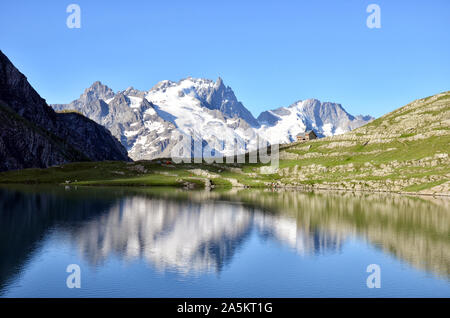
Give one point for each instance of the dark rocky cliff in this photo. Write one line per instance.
(32, 134)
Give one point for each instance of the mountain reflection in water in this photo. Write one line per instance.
(198, 236)
(197, 232)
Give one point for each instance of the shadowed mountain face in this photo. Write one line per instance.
(34, 135)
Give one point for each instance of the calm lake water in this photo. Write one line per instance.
(241, 243)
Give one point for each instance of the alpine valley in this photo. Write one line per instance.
(208, 111)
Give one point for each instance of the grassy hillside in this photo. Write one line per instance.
(406, 150)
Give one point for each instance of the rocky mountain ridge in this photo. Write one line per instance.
(207, 111)
(34, 135)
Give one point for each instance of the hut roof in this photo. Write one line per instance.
(306, 133)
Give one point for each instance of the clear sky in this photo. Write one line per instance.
(271, 53)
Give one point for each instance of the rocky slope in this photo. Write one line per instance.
(24, 145)
(208, 111)
(33, 135)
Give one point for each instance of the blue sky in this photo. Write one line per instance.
(271, 53)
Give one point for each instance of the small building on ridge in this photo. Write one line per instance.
(307, 135)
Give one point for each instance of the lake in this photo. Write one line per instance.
(144, 242)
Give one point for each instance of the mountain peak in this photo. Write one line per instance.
(98, 91)
(97, 85)
(326, 118)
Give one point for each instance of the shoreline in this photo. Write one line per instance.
(277, 188)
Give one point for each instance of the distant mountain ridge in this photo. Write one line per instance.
(144, 121)
(283, 124)
(34, 135)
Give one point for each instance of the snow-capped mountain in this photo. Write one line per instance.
(129, 116)
(146, 121)
(283, 124)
